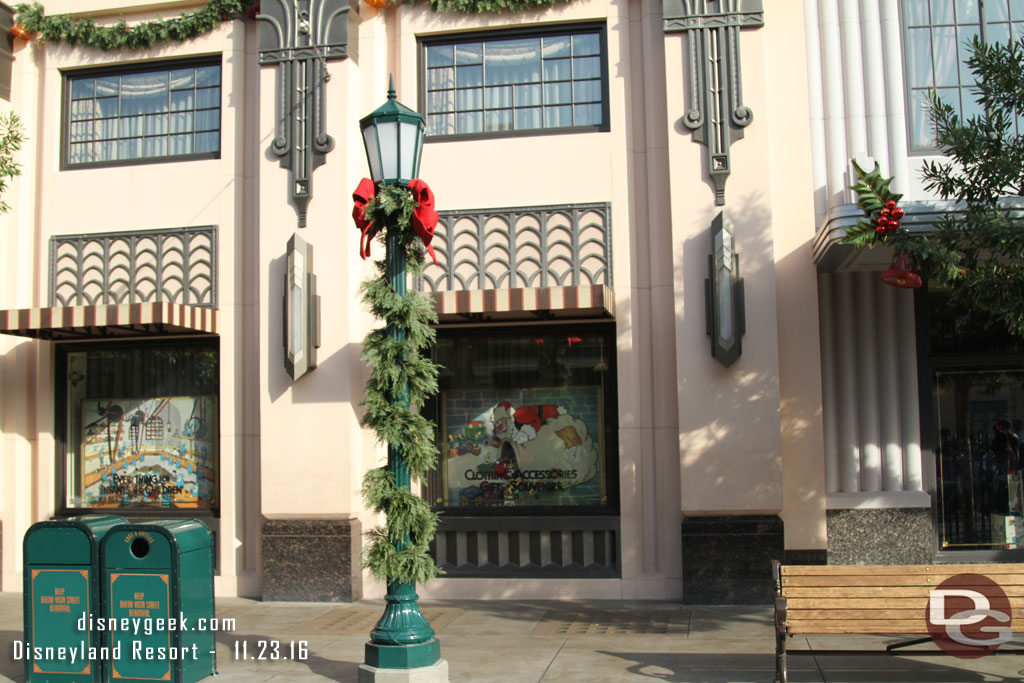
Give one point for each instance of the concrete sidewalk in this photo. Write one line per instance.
(552, 641)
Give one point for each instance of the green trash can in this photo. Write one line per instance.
(62, 597)
(159, 577)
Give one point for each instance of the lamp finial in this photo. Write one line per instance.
(391, 87)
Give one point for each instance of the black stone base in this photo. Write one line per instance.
(312, 560)
(805, 557)
(727, 560)
(880, 536)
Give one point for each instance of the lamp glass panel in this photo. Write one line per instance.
(295, 341)
(724, 284)
(387, 137)
(372, 151)
(409, 136)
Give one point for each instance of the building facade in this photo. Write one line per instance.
(661, 368)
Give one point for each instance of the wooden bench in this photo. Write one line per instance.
(878, 600)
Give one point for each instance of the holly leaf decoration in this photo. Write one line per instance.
(873, 193)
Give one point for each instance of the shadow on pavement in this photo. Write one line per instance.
(679, 667)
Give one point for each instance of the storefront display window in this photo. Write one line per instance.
(141, 426)
(525, 419)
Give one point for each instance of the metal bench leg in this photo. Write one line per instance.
(781, 675)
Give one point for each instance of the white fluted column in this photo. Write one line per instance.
(849, 443)
(867, 384)
(853, 78)
(909, 403)
(888, 388)
(835, 113)
(878, 135)
(828, 382)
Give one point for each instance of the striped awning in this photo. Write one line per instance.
(108, 320)
(509, 304)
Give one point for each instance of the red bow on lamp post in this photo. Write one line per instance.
(424, 216)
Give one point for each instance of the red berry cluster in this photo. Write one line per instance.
(889, 219)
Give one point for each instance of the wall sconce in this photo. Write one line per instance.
(723, 294)
(301, 310)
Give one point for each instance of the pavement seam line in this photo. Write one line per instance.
(548, 667)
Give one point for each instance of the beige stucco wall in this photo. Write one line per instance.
(744, 428)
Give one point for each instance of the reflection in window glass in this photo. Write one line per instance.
(142, 426)
(979, 458)
(514, 84)
(117, 117)
(525, 420)
(938, 36)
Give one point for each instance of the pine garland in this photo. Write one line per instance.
(401, 373)
(481, 6)
(63, 28)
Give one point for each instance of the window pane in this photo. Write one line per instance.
(557, 117)
(513, 61)
(183, 78)
(500, 119)
(471, 123)
(129, 149)
(443, 100)
(557, 93)
(183, 100)
(441, 124)
(945, 56)
(80, 153)
(105, 151)
(942, 12)
(587, 114)
(917, 12)
(156, 124)
(155, 147)
(143, 93)
(181, 144)
(469, 76)
(528, 118)
(209, 97)
(587, 91)
(82, 88)
(998, 33)
(208, 119)
(207, 75)
(920, 57)
(499, 97)
(586, 45)
(439, 79)
(921, 133)
(966, 35)
(1017, 10)
(557, 70)
(527, 95)
(181, 123)
(469, 99)
(107, 85)
(130, 127)
(469, 53)
(440, 55)
(556, 46)
(207, 142)
(587, 67)
(967, 12)
(106, 129)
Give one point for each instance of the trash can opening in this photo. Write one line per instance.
(140, 547)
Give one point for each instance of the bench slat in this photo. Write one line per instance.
(875, 591)
(920, 602)
(888, 580)
(880, 627)
(869, 615)
(897, 569)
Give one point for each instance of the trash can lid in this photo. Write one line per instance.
(67, 541)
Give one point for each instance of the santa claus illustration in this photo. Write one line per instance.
(547, 438)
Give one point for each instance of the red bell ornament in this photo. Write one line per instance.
(901, 273)
(19, 31)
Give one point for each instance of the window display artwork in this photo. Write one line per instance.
(523, 447)
(149, 452)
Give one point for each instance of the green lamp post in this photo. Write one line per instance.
(393, 135)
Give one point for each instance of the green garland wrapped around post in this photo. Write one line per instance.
(64, 28)
(402, 375)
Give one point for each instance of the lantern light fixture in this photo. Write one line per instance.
(393, 136)
(723, 294)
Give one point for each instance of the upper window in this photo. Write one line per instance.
(938, 38)
(543, 80)
(142, 114)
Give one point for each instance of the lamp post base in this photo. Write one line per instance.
(435, 673)
(403, 656)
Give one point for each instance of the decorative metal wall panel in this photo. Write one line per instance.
(177, 265)
(716, 115)
(553, 547)
(510, 248)
(300, 37)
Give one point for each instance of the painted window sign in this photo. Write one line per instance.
(149, 452)
(526, 447)
(140, 425)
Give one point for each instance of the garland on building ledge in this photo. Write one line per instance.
(481, 6)
(396, 364)
(120, 36)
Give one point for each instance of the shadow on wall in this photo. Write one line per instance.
(729, 417)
